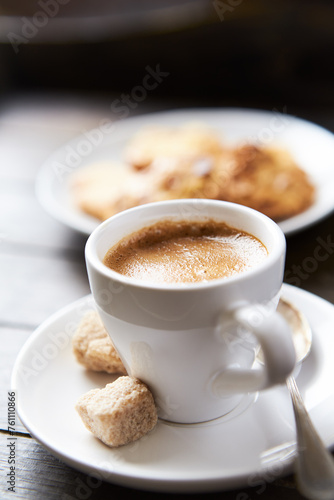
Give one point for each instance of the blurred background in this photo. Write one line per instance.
(252, 53)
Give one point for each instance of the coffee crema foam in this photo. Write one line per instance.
(185, 252)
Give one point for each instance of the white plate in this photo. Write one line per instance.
(257, 440)
(311, 146)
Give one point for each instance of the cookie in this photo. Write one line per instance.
(190, 139)
(268, 180)
(191, 162)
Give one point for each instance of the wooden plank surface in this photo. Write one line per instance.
(25, 223)
(43, 284)
(40, 475)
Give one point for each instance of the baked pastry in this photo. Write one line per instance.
(190, 139)
(268, 180)
(192, 162)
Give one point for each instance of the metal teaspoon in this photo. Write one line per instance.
(314, 464)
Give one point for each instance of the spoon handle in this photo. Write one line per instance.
(314, 463)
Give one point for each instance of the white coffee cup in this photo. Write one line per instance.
(189, 342)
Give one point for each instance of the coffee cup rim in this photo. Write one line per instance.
(278, 245)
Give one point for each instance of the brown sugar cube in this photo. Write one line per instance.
(122, 412)
(93, 347)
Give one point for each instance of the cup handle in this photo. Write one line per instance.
(275, 338)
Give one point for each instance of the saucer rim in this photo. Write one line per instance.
(158, 484)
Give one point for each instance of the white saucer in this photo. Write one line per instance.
(257, 440)
(311, 146)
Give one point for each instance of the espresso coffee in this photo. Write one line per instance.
(185, 252)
